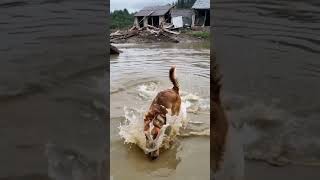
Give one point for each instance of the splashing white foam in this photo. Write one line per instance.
(131, 130)
(193, 102)
(147, 91)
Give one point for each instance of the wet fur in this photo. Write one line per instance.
(219, 122)
(166, 99)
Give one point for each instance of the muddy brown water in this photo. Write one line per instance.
(268, 51)
(52, 88)
(143, 69)
(269, 56)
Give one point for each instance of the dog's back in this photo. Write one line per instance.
(169, 98)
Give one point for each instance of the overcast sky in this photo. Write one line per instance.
(136, 5)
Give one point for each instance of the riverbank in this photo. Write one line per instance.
(150, 36)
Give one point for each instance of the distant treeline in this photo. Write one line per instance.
(183, 4)
(121, 19)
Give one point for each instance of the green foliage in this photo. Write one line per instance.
(200, 34)
(121, 19)
(184, 4)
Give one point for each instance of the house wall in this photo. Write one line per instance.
(136, 22)
(200, 16)
(193, 20)
(161, 20)
(145, 21)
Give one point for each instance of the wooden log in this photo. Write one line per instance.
(152, 27)
(117, 33)
(133, 28)
(114, 50)
(172, 32)
(168, 26)
(153, 31)
(127, 35)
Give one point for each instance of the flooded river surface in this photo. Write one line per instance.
(53, 85)
(269, 56)
(136, 76)
(52, 88)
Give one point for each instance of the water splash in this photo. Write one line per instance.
(193, 102)
(147, 91)
(131, 130)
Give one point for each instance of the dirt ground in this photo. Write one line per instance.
(145, 37)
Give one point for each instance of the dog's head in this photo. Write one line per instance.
(151, 142)
(154, 120)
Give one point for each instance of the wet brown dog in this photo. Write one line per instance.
(166, 99)
(219, 125)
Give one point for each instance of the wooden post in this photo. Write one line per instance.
(193, 20)
(205, 18)
(152, 21)
(145, 21)
(162, 20)
(136, 22)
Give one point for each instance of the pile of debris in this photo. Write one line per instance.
(145, 34)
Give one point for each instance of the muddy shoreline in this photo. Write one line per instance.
(185, 36)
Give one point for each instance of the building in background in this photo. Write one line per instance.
(153, 15)
(181, 17)
(198, 15)
(201, 15)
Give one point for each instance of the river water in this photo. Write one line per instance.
(136, 76)
(52, 88)
(269, 56)
(54, 56)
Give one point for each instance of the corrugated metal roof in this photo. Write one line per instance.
(182, 12)
(155, 10)
(201, 4)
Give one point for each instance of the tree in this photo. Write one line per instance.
(185, 4)
(121, 19)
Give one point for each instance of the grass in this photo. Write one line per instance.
(200, 34)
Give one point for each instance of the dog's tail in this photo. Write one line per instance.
(173, 79)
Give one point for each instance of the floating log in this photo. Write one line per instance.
(114, 50)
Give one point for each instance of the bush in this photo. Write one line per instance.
(200, 34)
(121, 19)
